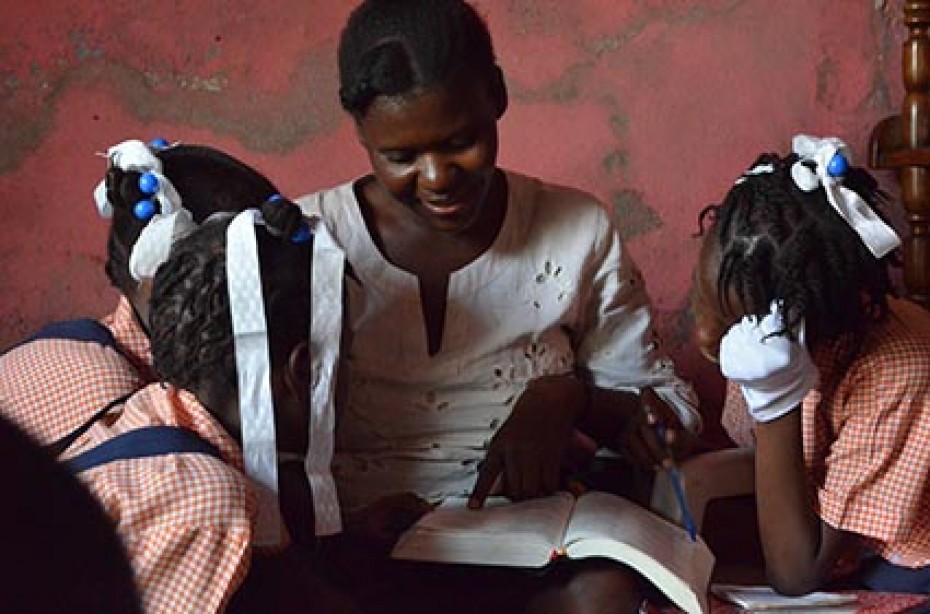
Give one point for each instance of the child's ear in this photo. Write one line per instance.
(139, 298)
(499, 91)
(297, 375)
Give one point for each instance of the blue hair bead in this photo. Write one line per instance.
(144, 209)
(302, 234)
(838, 165)
(148, 183)
(159, 144)
(275, 198)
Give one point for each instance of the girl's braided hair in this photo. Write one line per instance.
(392, 47)
(191, 327)
(778, 242)
(207, 180)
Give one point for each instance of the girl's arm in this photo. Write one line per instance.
(775, 372)
(800, 549)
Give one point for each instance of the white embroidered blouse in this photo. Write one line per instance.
(555, 290)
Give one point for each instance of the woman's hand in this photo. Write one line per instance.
(525, 455)
(639, 426)
(654, 436)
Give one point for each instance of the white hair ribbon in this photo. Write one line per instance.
(128, 155)
(253, 368)
(153, 246)
(134, 155)
(831, 158)
(325, 329)
(104, 208)
(169, 220)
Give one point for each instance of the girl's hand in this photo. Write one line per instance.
(771, 364)
(378, 526)
(525, 455)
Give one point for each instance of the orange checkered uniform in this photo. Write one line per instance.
(185, 519)
(49, 387)
(866, 432)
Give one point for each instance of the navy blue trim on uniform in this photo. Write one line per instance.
(81, 329)
(57, 447)
(143, 443)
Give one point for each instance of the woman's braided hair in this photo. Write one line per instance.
(392, 47)
(778, 242)
(191, 327)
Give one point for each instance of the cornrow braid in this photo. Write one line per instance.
(191, 326)
(780, 243)
(392, 47)
(189, 313)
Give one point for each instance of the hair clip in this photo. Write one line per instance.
(303, 232)
(144, 210)
(838, 165)
(148, 183)
(159, 144)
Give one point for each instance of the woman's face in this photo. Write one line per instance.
(434, 150)
(711, 319)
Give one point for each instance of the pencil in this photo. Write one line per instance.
(674, 475)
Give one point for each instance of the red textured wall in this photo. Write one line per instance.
(653, 105)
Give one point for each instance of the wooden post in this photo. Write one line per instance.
(903, 143)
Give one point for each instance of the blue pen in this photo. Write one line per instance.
(675, 476)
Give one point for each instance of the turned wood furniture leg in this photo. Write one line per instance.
(915, 126)
(902, 143)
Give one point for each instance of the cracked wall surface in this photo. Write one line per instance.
(652, 105)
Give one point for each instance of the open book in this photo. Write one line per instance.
(535, 532)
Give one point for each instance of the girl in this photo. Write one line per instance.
(229, 320)
(186, 519)
(491, 316)
(53, 383)
(792, 294)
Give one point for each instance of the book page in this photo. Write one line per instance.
(607, 525)
(522, 534)
(759, 598)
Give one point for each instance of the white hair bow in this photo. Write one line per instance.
(831, 159)
(134, 155)
(153, 246)
(167, 218)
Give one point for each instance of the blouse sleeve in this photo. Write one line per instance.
(618, 343)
